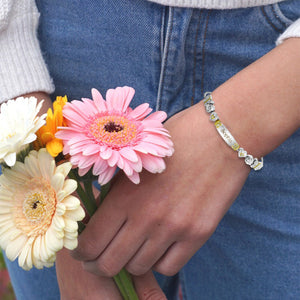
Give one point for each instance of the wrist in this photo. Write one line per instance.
(228, 138)
(205, 133)
(260, 105)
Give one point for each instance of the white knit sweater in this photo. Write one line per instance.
(216, 4)
(22, 68)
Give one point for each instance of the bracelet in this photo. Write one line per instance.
(209, 104)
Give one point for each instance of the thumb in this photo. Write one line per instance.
(147, 287)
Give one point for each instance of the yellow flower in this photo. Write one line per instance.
(39, 214)
(46, 134)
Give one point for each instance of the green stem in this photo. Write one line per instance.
(122, 279)
(121, 288)
(125, 285)
(90, 206)
(88, 186)
(104, 191)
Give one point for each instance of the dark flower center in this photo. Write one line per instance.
(113, 127)
(35, 204)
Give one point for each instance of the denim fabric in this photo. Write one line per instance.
(171, 56)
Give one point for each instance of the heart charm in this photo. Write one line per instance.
(242, 152)
(213, 116)
(249, 159)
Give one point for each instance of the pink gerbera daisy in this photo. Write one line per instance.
(104, 135)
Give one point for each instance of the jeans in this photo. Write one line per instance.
(171, 56)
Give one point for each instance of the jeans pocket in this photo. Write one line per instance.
(280, 15)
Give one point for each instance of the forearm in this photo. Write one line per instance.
(261, 104)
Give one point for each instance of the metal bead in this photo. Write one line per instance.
(242, 152)
(249, 159)
(209, 107)
(213, 116)
(259, 166)
(254, 163)
(206, 94)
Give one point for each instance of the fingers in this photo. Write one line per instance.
(165, 260)
(175, 258)
(97, 234)
(77, 284)
(147, 287)
(147, 256)
(121, 249)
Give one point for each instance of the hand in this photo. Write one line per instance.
(164, 220)
(77, 284)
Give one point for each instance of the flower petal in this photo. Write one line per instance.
(14, 247)
(112, 161)
(70, 244)
(129, 154)
(99, 166)
(71, 202)
(158, 116)
(77, 214)
(70, 186)
(10, 159)
(105, 177)
(57, 181)
(106, 154)
(135, 178)
(99, 101)
(140, 112)
(153, 164)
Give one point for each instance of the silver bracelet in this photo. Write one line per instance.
(209, 104)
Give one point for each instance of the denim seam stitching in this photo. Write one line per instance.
(203, 52)
(165, 58)
(277, 17)
(195, 59)
(162, 32)
(269, 21)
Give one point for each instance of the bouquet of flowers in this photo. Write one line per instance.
(45, 159)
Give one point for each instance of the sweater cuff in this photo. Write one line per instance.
(292, 31)
(22, 68)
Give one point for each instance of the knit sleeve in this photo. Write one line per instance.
(22, 68)
(292, 31)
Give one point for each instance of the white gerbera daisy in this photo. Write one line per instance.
(18, 123)
(38, 214)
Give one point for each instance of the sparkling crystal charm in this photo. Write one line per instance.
(209, 107)
(259, 166)
(213, 116)
(254, 163)
(207, 94)
(242, 152)
(207, 97)
(249, 159)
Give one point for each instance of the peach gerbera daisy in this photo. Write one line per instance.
(104, 135)
(38, 214)
(46, 134)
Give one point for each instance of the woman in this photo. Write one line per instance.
(219, 230)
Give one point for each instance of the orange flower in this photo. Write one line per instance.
(46, 134)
